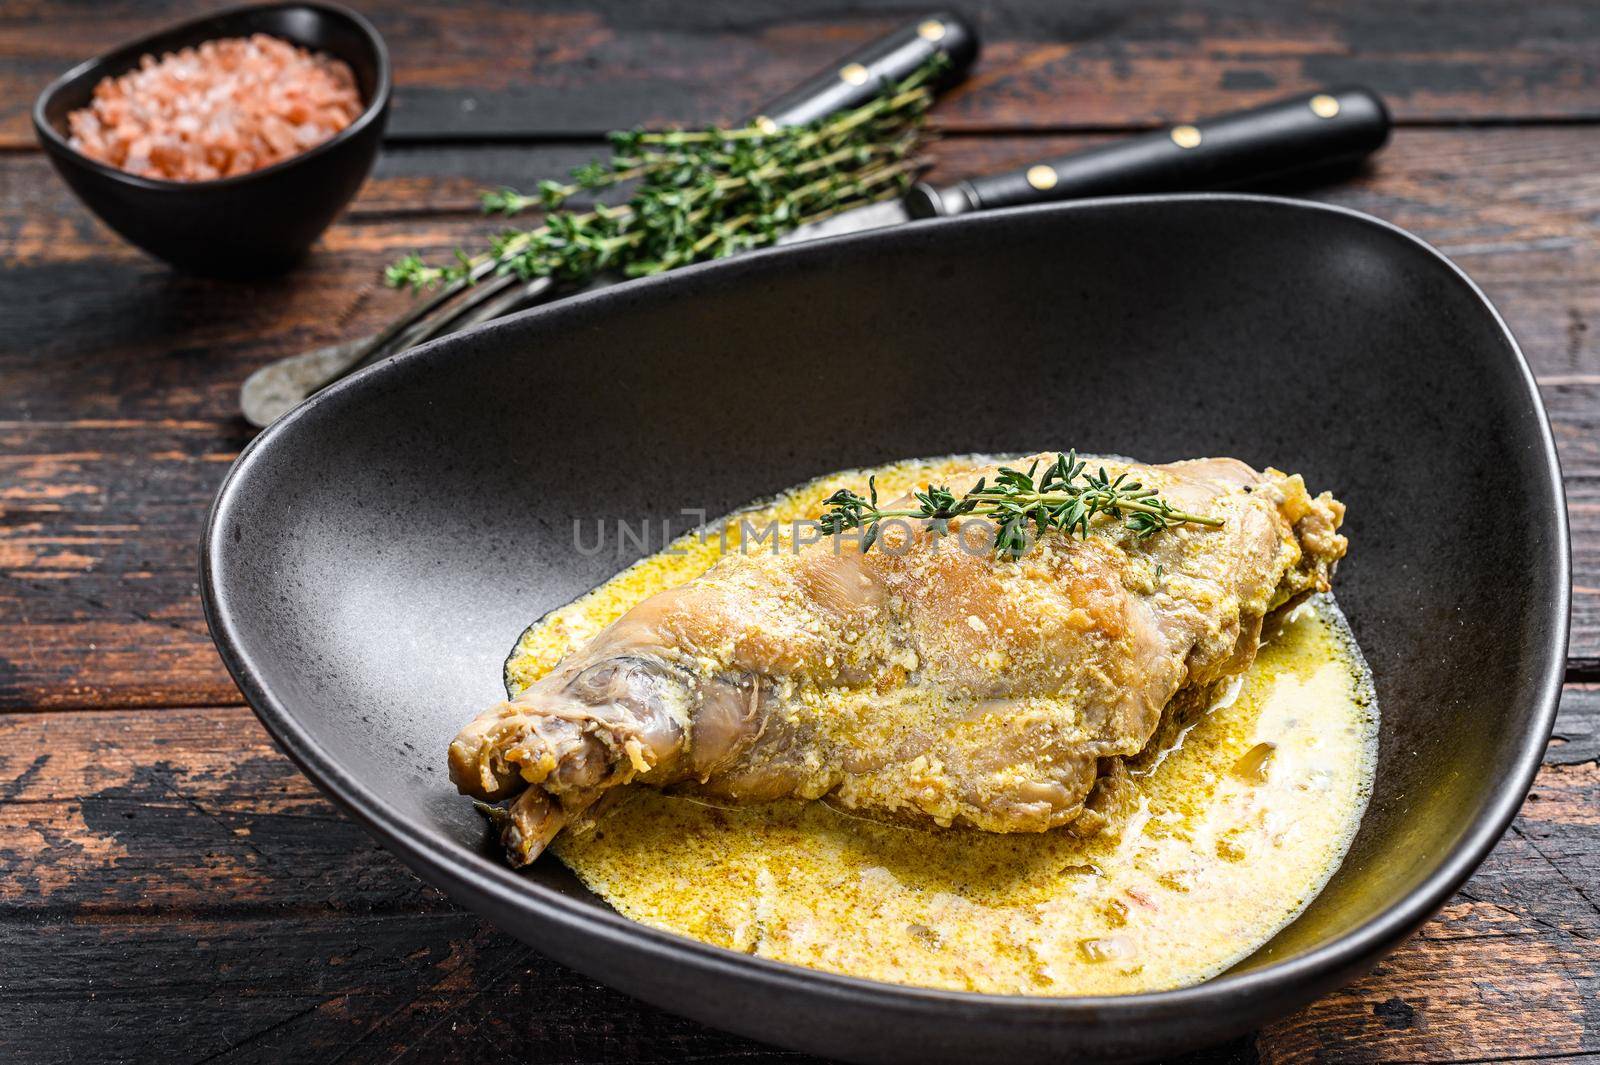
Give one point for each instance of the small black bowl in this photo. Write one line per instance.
(252, 224)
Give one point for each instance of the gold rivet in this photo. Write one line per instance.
(1042, 177)
(855, 74)
(1324, 106)
(765, 124)
(931, 30)
(1185, 136)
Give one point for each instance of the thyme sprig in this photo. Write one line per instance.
(699, 194)
(1065, 496)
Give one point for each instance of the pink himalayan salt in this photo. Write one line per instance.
(228, 107)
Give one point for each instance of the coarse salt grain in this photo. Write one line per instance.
(224, 108)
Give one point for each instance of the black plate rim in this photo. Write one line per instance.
(372, 112)
(482, 884)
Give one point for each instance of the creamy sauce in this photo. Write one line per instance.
(1237, 821)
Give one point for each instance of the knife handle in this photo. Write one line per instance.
(1304, 132)
(860, 76)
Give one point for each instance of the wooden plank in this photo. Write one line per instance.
(117, 419)
(174, 882)
(1472, 987)
(1576, 737)
(311, 988)
(191, 812)
(509, 69)
(436, 989)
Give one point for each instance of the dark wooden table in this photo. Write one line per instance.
(171, 889)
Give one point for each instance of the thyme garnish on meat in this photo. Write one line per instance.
(1065, 497)
(700, 194)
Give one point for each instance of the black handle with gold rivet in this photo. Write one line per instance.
(861, 75)
(1306, 132)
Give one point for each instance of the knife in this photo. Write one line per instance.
(854, 80)
(1312, 131)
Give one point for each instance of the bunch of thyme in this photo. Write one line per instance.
(699, 194)
(1065, 497)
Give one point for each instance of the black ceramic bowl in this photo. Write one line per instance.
(374, 554)
(256, 223)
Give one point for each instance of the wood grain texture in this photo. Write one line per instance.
(117, 420)
(177, 884)
(516, 70)
(171, 888)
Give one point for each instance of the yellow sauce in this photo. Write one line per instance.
(1238, 820)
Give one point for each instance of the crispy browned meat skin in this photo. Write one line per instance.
(918, 681)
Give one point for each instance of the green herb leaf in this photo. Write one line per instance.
(1065, 498)
(700, 194)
